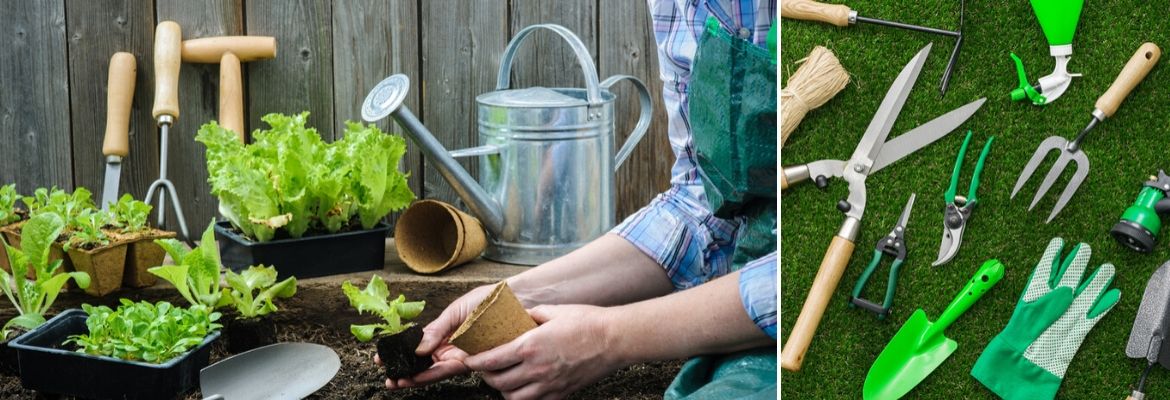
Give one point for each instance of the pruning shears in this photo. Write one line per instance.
(894, 245)
(959, 208)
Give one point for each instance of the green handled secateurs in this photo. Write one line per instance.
(959, 208)
(894, 245)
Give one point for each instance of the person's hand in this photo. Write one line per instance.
(569, 349)
(448, 358)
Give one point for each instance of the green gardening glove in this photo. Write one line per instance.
(1027, 360)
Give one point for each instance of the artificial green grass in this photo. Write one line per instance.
(1123, 151)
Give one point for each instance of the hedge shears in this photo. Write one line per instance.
(959, 208)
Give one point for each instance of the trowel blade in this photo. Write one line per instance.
(908, 359)
(274, 372)
(1151, 318)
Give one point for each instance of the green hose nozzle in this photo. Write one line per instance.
(1140, 223)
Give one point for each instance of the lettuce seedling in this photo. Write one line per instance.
(33, 297)
(196, 272)
(8, 197)
(144, 331)
(66, 205)
(253, 289)
(87, 230)
(375, 299)
(130, 215)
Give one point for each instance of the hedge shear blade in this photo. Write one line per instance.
(959, 208)
(894, 245)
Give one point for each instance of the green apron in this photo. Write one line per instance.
(732, 104)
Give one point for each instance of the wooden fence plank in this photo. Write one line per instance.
(545, 59)
(373, 39)
(96, 31)
(628, 47)
(461, 46)
(301, 76)
(34, 97)
(198, 103)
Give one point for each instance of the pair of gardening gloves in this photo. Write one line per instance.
(1028, 359)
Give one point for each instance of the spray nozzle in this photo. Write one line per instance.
(1025, 89)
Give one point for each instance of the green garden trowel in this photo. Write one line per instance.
(920, 346)
(1058, 19)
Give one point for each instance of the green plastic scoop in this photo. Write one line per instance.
(919, 346)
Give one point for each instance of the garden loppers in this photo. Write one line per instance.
(842, 15)
(872, 154)
(920, 345)
(1139, 225)
(958, 209)
(116, 144)
(1058, 19)
(1028, 359)
(278, 371)
(893, 244)
(1135, 70)
(168, 40)
(1147, 339)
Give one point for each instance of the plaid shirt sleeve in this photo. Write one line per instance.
(757, 289)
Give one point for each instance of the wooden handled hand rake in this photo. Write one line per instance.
(1135, 70)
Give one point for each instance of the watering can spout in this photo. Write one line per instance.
(386, 99)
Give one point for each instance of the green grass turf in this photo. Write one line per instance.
(1123, 151)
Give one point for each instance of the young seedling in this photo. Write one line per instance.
(396, 351)
(33, 297)
(87, 233)
(130, 215)
(8, 211)
(196, 272)
(252, 292)
(144, 331)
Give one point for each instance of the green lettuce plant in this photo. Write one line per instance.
(130, 215)
(196, 272)
(144, 331)
(33, 297)
(253, 290)
(8, 197)
(87, 230)
(375, 298)
(290, 181)
(67, 205)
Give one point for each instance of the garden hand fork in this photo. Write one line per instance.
(1135, 70)
(167, 55)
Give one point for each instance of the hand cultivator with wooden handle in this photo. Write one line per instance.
(842, 15)
(872, 154)
(1135, 70)
(167, 55)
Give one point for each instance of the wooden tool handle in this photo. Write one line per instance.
(246, 48)
(783, 180)
(832, 266)
(119, 95)
(808, 10)
(167, 41)
(1135, 70)
(231, 95)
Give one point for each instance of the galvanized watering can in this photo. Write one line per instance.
(546, 158)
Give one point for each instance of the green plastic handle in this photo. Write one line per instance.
(985, 278)
(877, 258)
(949, 196)
(1025, 89)
(1058, 19)
(978, 171)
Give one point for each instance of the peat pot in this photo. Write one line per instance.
(306, 257)
(48, 368)
(546, 156)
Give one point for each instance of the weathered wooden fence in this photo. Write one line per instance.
(54, 56)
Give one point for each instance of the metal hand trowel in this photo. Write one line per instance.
(1151, 327)
(920, 346)
(275, 372)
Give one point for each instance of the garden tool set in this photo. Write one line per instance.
(116, 145)
(959, 208)
(1058, 19)
(872, 154)
(894, 245)
(1147, 339)
(819, 78)
(1140, 223)
(168, 40)
(1135, 70)
(842, 15)
(921, 345)
(1029, 358)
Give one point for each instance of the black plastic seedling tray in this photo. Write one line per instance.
(48, 367)
(306, 257)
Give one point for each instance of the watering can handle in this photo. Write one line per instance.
(647, 111)
(593, 91)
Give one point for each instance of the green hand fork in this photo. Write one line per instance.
(893, 244)
(959, 208)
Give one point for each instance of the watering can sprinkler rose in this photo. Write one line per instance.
(546, 159)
